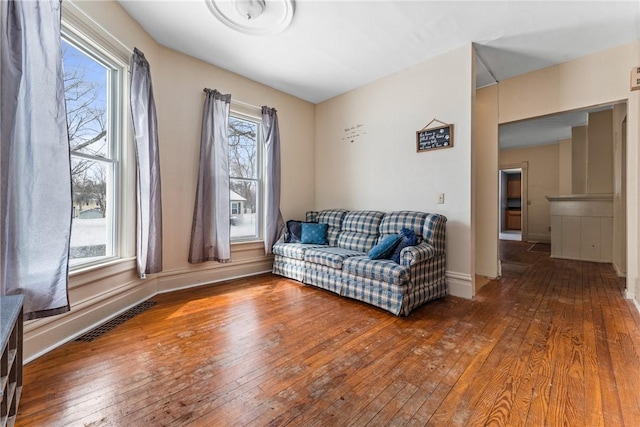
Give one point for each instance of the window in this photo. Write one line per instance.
(235, 208)
(94, 104)
(245, 173)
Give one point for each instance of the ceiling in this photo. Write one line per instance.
(332, 47)
(544, 130)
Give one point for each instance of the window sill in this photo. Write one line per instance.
(246, 245)
(93, 267)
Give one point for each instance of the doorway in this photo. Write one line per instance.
(552, 153)
(511, 204)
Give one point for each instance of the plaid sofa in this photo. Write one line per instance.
(343, 266)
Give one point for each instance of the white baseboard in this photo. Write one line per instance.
(460, 285)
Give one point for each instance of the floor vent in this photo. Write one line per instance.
(118, 320)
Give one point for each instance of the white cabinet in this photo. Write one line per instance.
(582, 227)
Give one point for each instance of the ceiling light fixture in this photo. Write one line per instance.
(254, 17)
(250, 9)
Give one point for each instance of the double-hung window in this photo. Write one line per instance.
(94, 100)
(245, 177)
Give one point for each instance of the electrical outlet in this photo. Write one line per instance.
(441, 198)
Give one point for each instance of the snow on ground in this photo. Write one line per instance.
(88, 232)
(246, 226)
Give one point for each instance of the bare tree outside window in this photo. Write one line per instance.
(86, 95)
(244, 173)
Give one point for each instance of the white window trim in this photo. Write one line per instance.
(253, 114)
(78, 26)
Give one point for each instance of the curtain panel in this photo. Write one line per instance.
(35, 169)
(210, 231)
(149, 199)
(274, 224)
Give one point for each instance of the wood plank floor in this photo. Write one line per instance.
(551, 343)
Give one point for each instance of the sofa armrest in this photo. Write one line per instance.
(412, 255)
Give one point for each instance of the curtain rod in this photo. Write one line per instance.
(245, 104)
(235, 101)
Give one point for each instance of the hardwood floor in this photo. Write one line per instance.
(551, 343)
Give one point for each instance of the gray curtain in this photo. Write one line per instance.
(274, 224)
(35, 194)
(145, 129)
(210, 231)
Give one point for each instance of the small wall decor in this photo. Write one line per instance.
(354, 132)
(431, 138)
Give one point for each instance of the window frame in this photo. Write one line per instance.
(242, 113)
(80, 31)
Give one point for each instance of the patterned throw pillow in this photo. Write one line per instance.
(294, 231)
(384, 249)
(313, 232)
(408, 238)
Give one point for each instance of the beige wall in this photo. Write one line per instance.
(179, 84)
(485, 148)
(579, 136)
(600, 153)
(568, 86)
(543, 180)
(381, 170)
(564, 164)
(178, 81)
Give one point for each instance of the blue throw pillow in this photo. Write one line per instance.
(314, 232)
(294, 231)
(384, 249)
(408, 238)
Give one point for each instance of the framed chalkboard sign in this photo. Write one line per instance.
(434, 138)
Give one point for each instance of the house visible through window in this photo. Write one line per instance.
(245, 173)
(93, 107)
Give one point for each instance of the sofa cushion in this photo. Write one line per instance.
(293, 250)
(333, 218)
(385, 248)
(314, 232)
(365, 222)
(407, 238)
(360, 230)
(394, 222)
(330, 256)
(380, 269)
(294, 231)
(357, 241)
